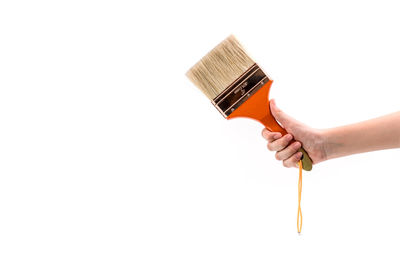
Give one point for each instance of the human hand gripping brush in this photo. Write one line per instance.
(238, 87)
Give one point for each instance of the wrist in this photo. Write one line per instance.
(329, 145)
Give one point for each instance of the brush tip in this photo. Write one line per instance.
(220, 67)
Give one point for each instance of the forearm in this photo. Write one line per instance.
(376, 134)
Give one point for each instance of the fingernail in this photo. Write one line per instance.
(288, 137)
(276, 136)
(297, 145)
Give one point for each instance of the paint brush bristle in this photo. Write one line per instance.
(220, 67)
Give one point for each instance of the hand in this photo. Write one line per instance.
(311, 139)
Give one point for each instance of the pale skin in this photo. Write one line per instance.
(375, 134)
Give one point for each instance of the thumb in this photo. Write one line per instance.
(285, 120)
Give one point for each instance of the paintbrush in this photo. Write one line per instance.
(237, 86)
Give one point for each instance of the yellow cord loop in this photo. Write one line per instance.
(299, 214)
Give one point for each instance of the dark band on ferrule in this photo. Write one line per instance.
(240, 90)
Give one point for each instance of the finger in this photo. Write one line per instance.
(288, 151)
(281, 143)
(293, 160)
(270, 136)
(278, 114)
(284, 119)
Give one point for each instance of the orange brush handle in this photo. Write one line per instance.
(257, 108)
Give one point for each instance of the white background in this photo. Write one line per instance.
(109, 156)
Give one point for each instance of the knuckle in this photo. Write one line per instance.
(267, 134)
(264, 133)
(269, 146)
(294, 160)
(294, 148)
(285, 140)
(280, 144)
(269, 137)
(285, 164)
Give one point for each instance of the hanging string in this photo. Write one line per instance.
(300, 185)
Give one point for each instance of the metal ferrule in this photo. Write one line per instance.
(240, 90)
